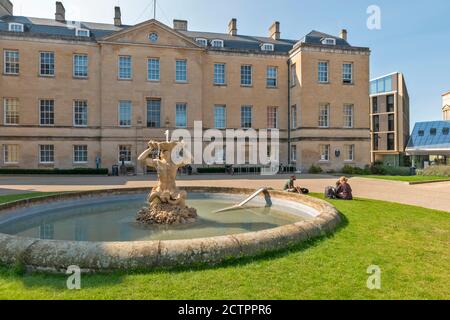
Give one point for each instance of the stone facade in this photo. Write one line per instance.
(102, 90)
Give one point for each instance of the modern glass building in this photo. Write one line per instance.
(430, 143)
(389, 112)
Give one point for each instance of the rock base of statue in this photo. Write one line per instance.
(167, 214)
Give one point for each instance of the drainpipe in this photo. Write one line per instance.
(289, 111)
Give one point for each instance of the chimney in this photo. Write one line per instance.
(274, 31)
(60, 14)
(117, 17)
(180, 25)
(232, 27)
(6, 8)
(343, 34)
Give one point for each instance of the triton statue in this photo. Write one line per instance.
(166, 203)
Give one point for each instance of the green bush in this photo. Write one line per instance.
(315, 170)
(349, 170)
(436, 171)
(396, 171)
(78, 171)
(211, 170)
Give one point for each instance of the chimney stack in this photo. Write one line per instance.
(232, 27)
(180, 25)
(343, 34)
(60, 14)
(274, 31)
(6, 8)
(117, 17)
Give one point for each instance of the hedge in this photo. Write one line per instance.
(211, 170)
(377, 169)
(79, 171)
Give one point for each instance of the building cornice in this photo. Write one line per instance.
(147, 45)
(306, 47)
(47, 39)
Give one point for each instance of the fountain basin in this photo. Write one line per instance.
(293, 219)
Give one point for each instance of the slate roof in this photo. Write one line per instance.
(421, 138)
(50, 28)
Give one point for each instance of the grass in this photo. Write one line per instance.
(407, 178)
(15, 197)
(410, 244)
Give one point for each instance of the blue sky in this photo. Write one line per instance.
(414, 36)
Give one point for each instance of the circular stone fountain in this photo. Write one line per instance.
(99, 230)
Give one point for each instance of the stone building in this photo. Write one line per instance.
(390, 125)
(76, 92)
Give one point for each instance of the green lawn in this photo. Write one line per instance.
(410, 244)
(407, 178)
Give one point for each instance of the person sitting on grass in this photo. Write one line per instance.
(344, 191)
(291, 187)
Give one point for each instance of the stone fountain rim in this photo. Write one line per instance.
(58, 255)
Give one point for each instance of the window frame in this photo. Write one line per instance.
(157, 121)
(79, 32)
(268, 47)
(224, 108)
(127, 67)
(182, 71)
(223, 75)
(321, 73)
(350, 116)
(85, 119)
(52, 150)
(199, 40)
(246, 114)
(323, 147)
(74, 66)
(129, 150)
(293, 154)
(347, 81)
(245, 76)
(74, 154)
(17, 150)
(272, 77)
(321, 115)
(349, 149)
(326, 41)
(294, 75)
(181, 104)
(270, 118)
(16, 112)
(15, 63)
(119, 113)
(220, 41)
(294, 114)
(11, 26)
(155, 70)
(49, 64)
(50, 119)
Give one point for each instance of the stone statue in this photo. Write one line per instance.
(167, 204)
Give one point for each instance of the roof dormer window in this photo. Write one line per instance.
(267, 47)
(15, 27)
(202, 42)
(82, 33)
(329, 41)
(217, 43)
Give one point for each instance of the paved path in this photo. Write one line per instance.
(433, 196)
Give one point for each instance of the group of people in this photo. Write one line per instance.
(342, 191)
